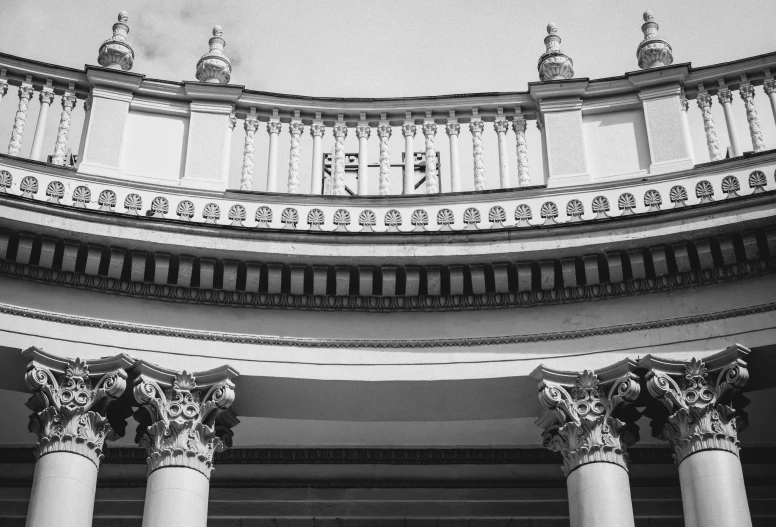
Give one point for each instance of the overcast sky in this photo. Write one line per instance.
(369, 48)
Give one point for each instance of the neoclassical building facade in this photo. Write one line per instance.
(589, 342)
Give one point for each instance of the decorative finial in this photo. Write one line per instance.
(653, 52)
(115, 53)
(554, 65)
(214, 66)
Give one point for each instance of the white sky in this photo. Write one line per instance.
(370, 48)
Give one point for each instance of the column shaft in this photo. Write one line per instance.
(704, 103)
(747, 95)
(176, 497)
(63, 132)
(62, 491)
(295, 130)
(363, 132)
(685, 107)
(476, 128)
(338, 171)
(713, 492)
(249, 149)
(20, 119)
(46, 97)
(316, 178)
(501, 128)
(409, 131)
(273, 127)
(726, 100)
(519, 125)
(599, 496)
(432, 172)
(384, 132)
(453, 129)
(770, 88)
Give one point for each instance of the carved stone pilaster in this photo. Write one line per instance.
(554, 65)
(409, 130)
(589, 421)
(115, 53)
(384, 132)
(63, 131)
(25, 94)
(178, 423)
(519, 125)
(214, 66)
(432, 174)
(476, 128)
(700, 415)
(653, 51)
(249, 150)
(704, 103)
(747, 94)
(68, 407)
(338, 184)
(295, 130)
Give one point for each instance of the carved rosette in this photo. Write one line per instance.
(653, 51)
(25, 94)
(384, 132)
(249, 149)
(60, 147)
(432, 175)
(214, 66)
(340, 133)
(295, 130)
(68, 413)
(704, 103)
(747, 94)
(476, 128)
(554, 65)
(581, 425)
(115, 53)
(182, 432)
(519, 125)
(701, 415)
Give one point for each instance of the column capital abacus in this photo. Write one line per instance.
(453, 129)
(296, 128)
(501, 126)
(177, 420)
(409, 130)
(700, 415)
(769, 85)
(363, 131)
(46, 96)
(384, 130)
(340, 130)
(724, 96)
(746, 91)
(317, 129)
(590, 417)
(274, 127)
(69, 407)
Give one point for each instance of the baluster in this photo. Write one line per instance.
(523, 176)
(384, 132)
(316, 178)
(63, 131)
(46, 97)
(25, 93)
(409, 130)
(363, 131)
(432, 175)
(338, 183)
(501, 127)
(476, 128)
(273, 128)
(725, 97)
(295, 129)
(704, 103)
(453, 129)
(746, 91)
(251, 125)
(770, 88)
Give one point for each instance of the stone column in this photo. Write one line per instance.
(585, 424)
(363, 132)
(273, 128)
(684, 105)
(316, 178)
(700, 420)
(226, 155)
(338, 175)
(432, 174)
(25, 94)
(246, 177)
(46, 98)
(725, 97)
(69, 410)
(409, 130)
(476, 128)
(295, 130)
(63, 132)
(384, 132)
(770, 88)
(453, 130)
(523, 176)
(501, 128)
(178, 431)
(704, 103)
(747, 94)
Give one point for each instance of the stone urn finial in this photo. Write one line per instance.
(115, 53)
(214, 66)
(653, 52)
(554, 65)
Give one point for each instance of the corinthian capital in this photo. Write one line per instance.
(340, 130)
(317, 130)
(296, 128)
(704, 101)
(695, 414)
(590, 417)
(429, 129)
(384, 130)
(501, 126)
(453, 129)
(46, 96)
(409, 130)
(179, 419)
(746, 91)
(274, 127)
(769, 86)
(725, 96)
(3, 88)
(363, 131)
(70, 400)
(69, 101)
